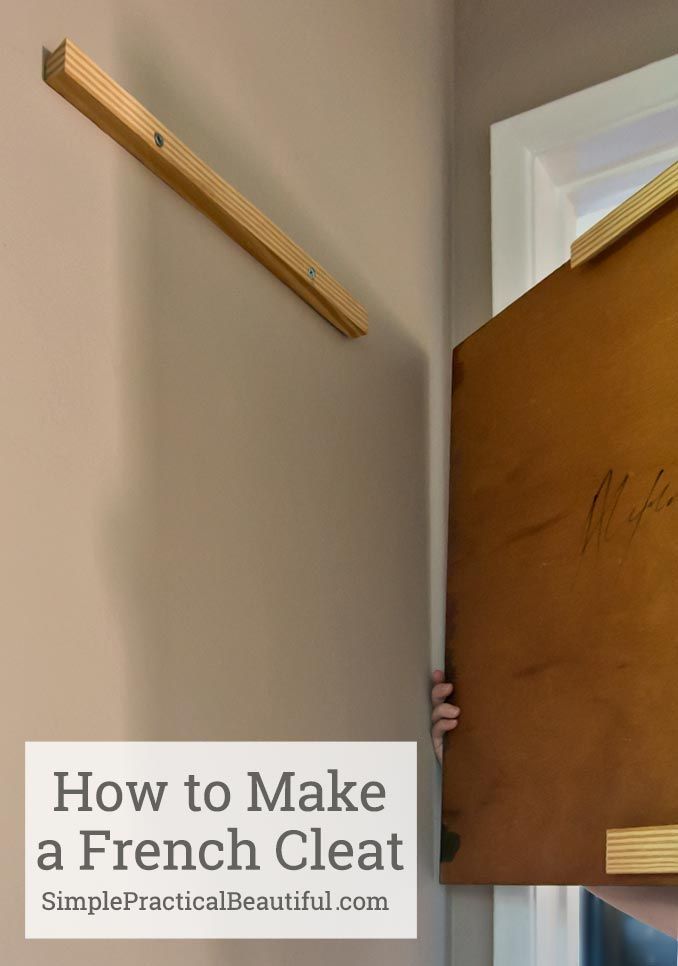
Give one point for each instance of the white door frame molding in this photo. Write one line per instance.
(536, 926)
(558, 168)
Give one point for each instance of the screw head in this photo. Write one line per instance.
(312, 272)
(159, 139)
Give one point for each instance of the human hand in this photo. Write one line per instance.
(444, 716)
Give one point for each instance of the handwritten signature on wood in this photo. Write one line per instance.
(606, 518)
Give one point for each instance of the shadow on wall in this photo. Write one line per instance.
(271, 552)
(276, 532)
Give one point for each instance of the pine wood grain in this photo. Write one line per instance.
(82, 82)
(652, 849)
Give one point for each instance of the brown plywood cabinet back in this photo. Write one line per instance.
(562, 633)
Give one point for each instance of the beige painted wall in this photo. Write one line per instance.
(219, 518)
(508, 58)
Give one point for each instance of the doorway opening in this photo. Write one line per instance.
(556, 171)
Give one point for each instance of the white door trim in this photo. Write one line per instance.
(574, 159)
(514, 926)
(536, 926)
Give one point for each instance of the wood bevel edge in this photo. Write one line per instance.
(625, 216)
(336, 306)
